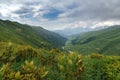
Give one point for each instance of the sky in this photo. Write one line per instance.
(62, 14)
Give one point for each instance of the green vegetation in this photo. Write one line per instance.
(24, 62)
(27, 63)
(106, 41)
(33, 53)
(29, 35)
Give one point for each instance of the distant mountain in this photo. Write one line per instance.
(29, 35)
(72, 31)
(105, 41)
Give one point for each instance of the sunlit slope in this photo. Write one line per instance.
(106, 41)
(29, 35)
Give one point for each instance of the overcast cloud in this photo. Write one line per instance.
(60, 14)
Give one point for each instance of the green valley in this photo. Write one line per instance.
(33, 53)
(59, 39)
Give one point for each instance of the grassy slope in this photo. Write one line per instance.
(28, 35)
(105, 41)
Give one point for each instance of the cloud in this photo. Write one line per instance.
(7, 10)
(53, 14)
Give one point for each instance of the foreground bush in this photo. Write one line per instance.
(27, 72)
(26, 63)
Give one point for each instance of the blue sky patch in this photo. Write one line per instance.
(53, 14)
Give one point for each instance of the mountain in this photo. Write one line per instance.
(29, 35)
(78, 30)
(105, 41)
(72, 31)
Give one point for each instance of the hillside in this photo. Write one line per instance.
(106, 41)
(29, 35)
